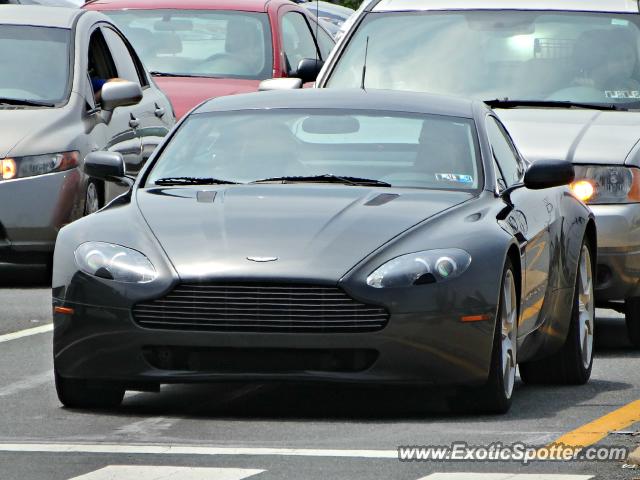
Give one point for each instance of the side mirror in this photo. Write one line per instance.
(549, 173)
(308, 69)
(280, 84)
(120, 94)
(107, 166)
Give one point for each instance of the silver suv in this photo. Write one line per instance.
(563, 75)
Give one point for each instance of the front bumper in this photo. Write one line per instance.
(618, 251)
(32, 211)
(99, 343)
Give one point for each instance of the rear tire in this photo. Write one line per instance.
(632, 318)
(572, 364)
(75, 393)
(495, 396)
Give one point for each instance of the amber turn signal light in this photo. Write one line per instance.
(9, 169)
(476, 318)
(64, 310)
(583, 190)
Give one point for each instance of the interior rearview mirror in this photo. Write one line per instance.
(549, 173)
(108, 166)
(120, 93)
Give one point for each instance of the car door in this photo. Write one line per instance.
(152, 118)
(529, 220)
(120, 131)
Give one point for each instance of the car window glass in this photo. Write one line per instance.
(101, 67)
(124, 63)
(499, 177)
(405, 150)
(216, 43)
(519, 55)
(504, 153)
(298, 42)
(34, 62)
(325, 42)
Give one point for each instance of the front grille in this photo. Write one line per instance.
(260, 308)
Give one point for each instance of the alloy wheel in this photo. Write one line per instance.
(509, 320)
(586, 307)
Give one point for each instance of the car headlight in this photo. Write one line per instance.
(114, 262)
(30, 166)
(606, 184)
(420, 268)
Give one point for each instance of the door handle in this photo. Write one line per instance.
(159, 112)
(134, 122)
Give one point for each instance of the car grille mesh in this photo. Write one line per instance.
(260, 308)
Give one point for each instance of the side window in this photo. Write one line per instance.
(325, 42)
(504, 153)
(297, 40)
(124, 62)
(502, 185)
(101, 67)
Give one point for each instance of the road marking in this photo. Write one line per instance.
(26, 384)
(190, 450)
(503, 476)
(139, 472)
(26, 333)
(595, 431)
(150, 427)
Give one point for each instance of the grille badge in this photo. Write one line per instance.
(262, 259)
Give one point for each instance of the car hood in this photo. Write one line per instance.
(186, 93)
(580, 136)
(316, 232)
(19, 123)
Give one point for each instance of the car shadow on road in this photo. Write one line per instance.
(24, 277)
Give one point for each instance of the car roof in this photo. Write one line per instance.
(243, 5)
(348, 99)
(39, 16)
(622, 6)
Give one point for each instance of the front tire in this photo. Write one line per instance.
(632, 318)
(573, 363)
(496, 395)
(81, 394)
(92, 200)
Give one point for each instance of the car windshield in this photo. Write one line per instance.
(200, 42)
(402, 150)
(34, 62)
(515, 55)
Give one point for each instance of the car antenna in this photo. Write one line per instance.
(364, 66)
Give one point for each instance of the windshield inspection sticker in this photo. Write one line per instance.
(454, 177)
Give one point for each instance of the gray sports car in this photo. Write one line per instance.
(349, 236)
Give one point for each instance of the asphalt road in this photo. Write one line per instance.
(238, 431)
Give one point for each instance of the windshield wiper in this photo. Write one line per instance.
(177, 75)
(328, 178)
(25, 102)
(509, 103)
(169, 181)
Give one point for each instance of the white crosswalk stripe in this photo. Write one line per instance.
(503, 476)
(140, 472)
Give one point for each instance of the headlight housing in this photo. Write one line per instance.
(114, 262)
(606, 184)
(420, 268)
(30, 166)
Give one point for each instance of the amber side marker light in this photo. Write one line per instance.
(476, 318)
(9, 169)
(583, 189)
(64, 310)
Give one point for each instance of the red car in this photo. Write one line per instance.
(198, 49)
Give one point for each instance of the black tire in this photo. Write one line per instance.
(565, 367)
(632, 318)
(81, 394)
(93, 197)
(491, 398)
